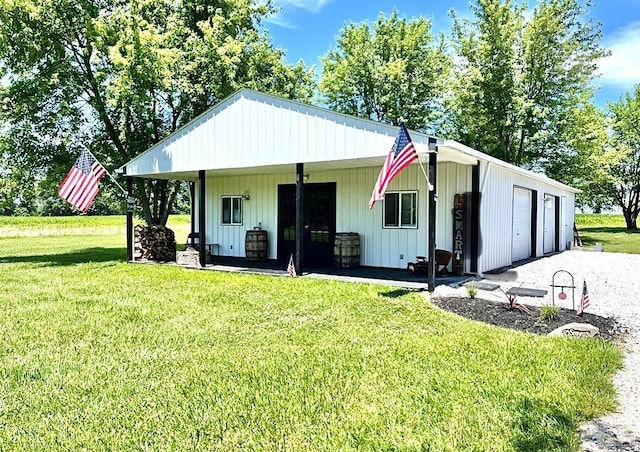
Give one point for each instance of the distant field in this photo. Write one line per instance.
(595, 219)
(610, 230)
(80, 225)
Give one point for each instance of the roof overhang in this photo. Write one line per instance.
(471, 154)
(445, 154)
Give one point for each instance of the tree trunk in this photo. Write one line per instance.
(630, 219)
(631, 212)
(156, 198)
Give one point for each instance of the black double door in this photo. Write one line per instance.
(319, 216)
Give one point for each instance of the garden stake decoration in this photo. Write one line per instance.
(564, 277)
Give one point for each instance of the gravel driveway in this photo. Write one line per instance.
(613, 283)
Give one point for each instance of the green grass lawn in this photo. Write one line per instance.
(610, 230)
(97, 354)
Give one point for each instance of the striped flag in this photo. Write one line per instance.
(291, 268)
(584, 300)
(401, 155)
(80, 187)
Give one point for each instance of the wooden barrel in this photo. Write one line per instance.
(256, 245)
(346, 250)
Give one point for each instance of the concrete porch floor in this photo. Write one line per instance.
(370, 275)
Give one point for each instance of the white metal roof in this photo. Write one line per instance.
(256, 133)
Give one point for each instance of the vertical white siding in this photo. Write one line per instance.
(452, 179)
(496, 213)
(380, 247)
(261, 209)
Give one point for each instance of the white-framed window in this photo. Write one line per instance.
(401, 209)
(232, 210)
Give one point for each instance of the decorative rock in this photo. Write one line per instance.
(576, 329)
(189, 257)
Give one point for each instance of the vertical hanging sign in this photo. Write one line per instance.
(457, 264)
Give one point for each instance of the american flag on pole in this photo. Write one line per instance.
(584, 300)
(80, 187)
(291, 268)
(401, 155)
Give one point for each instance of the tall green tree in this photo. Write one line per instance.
(586, 157)
(590, 157)
(520, 79)
(624, 182)
(397, 69)
(119, 76)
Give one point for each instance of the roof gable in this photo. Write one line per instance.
(252, 129)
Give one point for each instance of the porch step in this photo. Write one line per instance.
(526, 292)
(485, 285)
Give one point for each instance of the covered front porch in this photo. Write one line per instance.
(297, 177)
(362, 274)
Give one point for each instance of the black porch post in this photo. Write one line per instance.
(201, 217)
(433, 196)
(192, 191)
(475, 217)
(129, 219)
(299, 216)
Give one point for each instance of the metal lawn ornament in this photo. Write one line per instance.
(562, 280)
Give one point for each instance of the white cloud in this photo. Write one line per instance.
(281, 21)
(622, 68)
(287, 6)
(312, 6)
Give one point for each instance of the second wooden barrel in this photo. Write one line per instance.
(346, 250)
(256, 245)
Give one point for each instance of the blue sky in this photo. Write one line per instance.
(307, 30)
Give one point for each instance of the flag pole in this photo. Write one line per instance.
(429, 186)
(108, 173)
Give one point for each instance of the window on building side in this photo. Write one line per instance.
(232, 210)
(401, 209)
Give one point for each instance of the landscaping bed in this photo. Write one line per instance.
(528, 318)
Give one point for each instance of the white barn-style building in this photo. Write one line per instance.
(251, 156)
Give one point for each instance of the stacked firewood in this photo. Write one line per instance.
(156, 243)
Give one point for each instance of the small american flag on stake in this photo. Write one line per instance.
(584, 300)
(80, 187)
(291, 268)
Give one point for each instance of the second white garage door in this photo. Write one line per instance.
(521, 242)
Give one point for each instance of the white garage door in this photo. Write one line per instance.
(549, 224)
(521, 243)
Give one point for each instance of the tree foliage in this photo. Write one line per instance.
(119, 76)
(585, 158)
(624, 182)
(396, 70)
(520, 80)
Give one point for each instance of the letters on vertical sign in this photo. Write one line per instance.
(459, 202)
